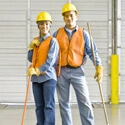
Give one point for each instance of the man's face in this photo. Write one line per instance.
(44, 27)
(70, 19)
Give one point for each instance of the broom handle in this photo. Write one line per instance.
(99, 84)
(26, 99)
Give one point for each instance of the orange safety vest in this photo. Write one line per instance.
(72, 50)
(40, 53)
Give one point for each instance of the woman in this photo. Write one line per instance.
(43, 53)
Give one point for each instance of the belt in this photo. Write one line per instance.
(71, 67)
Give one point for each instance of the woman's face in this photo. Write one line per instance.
(70, 19)
(44, 27)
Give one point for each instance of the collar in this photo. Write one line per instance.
(71, 30)
(44, 38)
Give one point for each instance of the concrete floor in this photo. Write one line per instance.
(12, 114)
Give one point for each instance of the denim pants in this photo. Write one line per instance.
(76, 77)
(44, 101)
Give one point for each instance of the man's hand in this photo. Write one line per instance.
(35, 42)
(99, 74)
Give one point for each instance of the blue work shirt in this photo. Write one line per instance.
(49, 67)
(87, 45)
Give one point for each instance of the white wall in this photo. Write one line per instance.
(122, 73)
(13, 43)
(95, 12)
(12, 50)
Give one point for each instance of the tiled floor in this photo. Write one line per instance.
(12, 114)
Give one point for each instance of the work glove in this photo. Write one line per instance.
(99, 74)
(35, 42)
(38, 72)
(31, 71)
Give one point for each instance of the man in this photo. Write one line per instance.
(74, 45)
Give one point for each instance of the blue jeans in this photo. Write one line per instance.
(76, 77)
(44, 101)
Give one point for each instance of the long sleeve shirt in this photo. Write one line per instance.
(87, 45)
(49, 67)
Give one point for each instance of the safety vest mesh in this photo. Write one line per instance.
(72, 50)
(40, 53)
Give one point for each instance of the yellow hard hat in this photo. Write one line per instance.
(69, 7)
(42, 16)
